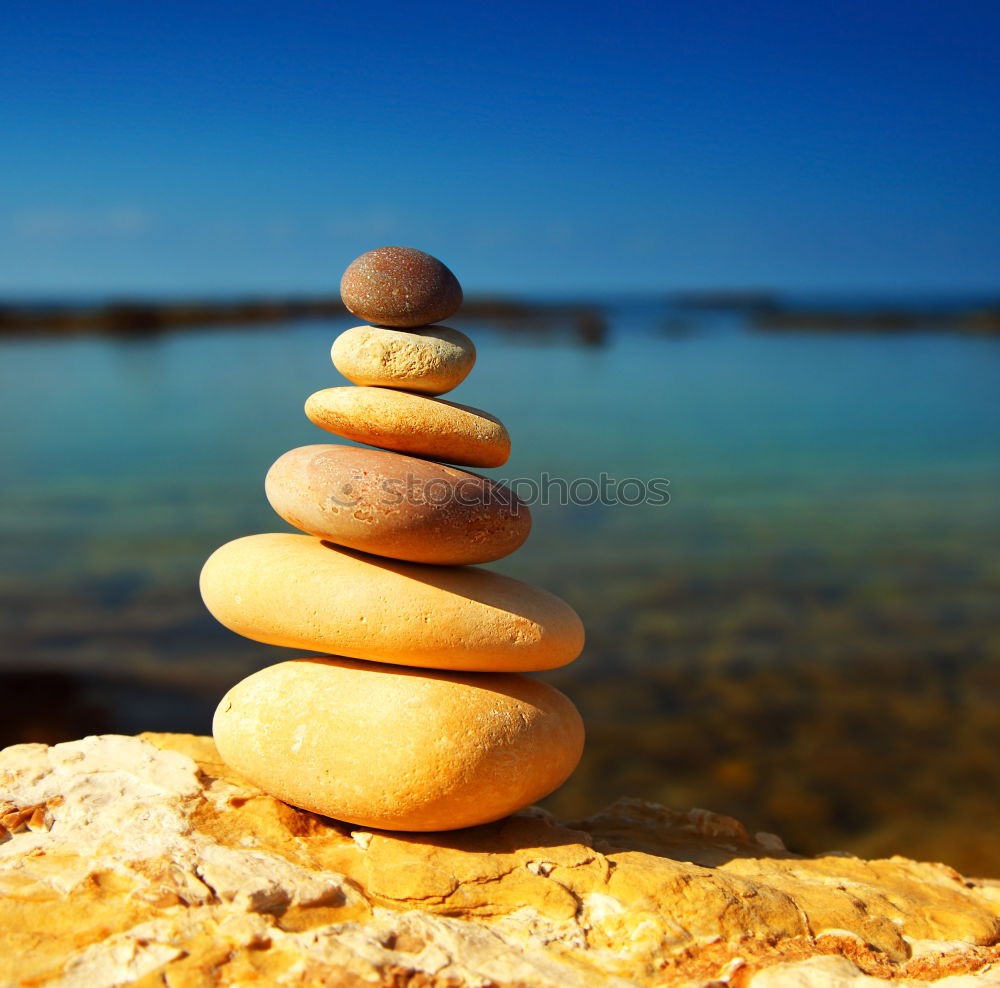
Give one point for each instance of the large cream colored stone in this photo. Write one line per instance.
(431, 360)
(297, 591)
(398, 748)
(396, 506)
(411, 423)
(148, 862)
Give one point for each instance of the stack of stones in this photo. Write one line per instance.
(416, 715)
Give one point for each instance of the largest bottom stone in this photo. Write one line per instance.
(398, 748)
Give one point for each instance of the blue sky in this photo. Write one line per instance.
(195, 148)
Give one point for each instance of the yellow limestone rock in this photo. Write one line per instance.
(145, 861)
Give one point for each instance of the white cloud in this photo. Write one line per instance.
(376, 223)
(116, 222)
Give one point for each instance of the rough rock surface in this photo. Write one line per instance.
(144, 861)
(432, 360)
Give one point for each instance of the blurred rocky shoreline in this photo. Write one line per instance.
(138, 317)
(587, 320)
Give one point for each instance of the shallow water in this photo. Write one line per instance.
(805, 636)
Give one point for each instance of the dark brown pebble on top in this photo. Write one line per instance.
(401, 287)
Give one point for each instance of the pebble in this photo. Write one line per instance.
(400, 286)
(296, 591)
(431, 361)
(396, 748)
(396, 506)
(411, 423)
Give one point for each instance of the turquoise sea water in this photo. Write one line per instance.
(806, 636)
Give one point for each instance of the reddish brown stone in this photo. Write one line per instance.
(396, 506)
(400, 286)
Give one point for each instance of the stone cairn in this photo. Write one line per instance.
(416, 716)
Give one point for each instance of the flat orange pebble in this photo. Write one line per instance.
(297, 591)
(412, 423)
